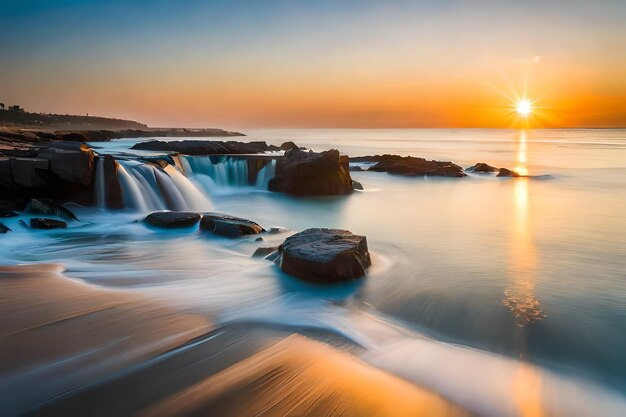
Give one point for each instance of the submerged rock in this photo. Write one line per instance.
(172, 219)
(262, 252)
(324, 255)
(411, 166)
(312, 174)
(229, 226)
(4, 229)
(49, 207)
(41, 223)
(505, 172)
(482, 168)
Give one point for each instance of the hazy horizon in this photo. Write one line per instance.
(346, 64)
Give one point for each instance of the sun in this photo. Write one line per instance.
(523, 107)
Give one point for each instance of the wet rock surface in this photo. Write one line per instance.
(324, 255)
(312, 174)
(4, 229)
(43, 223)
(505, 172)
(229, 226)
(482, 168)
(173, 219)
(411, 166)
(50, 208)
(203, 147)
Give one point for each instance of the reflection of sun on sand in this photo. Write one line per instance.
(60, 333)
(298, 377)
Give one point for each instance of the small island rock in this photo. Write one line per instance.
(229, 226)
(324, 255)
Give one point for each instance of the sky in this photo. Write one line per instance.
(323, 63)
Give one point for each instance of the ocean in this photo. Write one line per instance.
(490, 291)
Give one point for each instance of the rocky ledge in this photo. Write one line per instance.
(411, 166)
(173, 219)
(312, 174)
(324, 255)
(203, 147)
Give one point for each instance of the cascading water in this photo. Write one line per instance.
(146, 187)
(223, 174)
(99, 188)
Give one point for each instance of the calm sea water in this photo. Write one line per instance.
(481, 287)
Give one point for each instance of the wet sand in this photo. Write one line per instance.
(77, 349)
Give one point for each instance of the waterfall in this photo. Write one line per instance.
(146, 187)
(99, 180)
(266, 174)
(223, 174)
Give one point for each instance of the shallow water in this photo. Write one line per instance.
(529, 269)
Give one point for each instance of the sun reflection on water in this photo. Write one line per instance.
(519, 296)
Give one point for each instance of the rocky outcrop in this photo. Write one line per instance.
(172, 219)
(289, 145)
(505, 172)
(113, 191)
(5, 229)
(42, 223)
(324, 255)
(203, 147)
(312, 174)
(229, 226)
(50, 208)
(70, 161)
(411, 166)
(482, 168)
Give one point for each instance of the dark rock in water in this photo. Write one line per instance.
(312, 174)
(41, 223)
(288, 146)
(49, 207)
(203, 147)
(357, 185)
(276, 230)
(258, 239)
(229, 226)
(324, 255)
(113, 191)
(7, 213)
(355, 168)
(411, 166)
(482, 168)
(172, 219)
(262, 252)
(504, 172)
(5, 229)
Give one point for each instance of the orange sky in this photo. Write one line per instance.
(332, 64)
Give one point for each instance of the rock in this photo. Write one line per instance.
(286, 146)
(505, 172)
(204, 147)
(357, 185)
(5, 229)
(324, 255)
(482, 168)
(355, 168)
(263, 252)
(41, 223)
(29, 172)
(70, 161)
(7, 213)
(276, 230)
(229, 226)
(49, 207)
(173, 219)
(312, 174)
(411, 166)
(113, 191)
